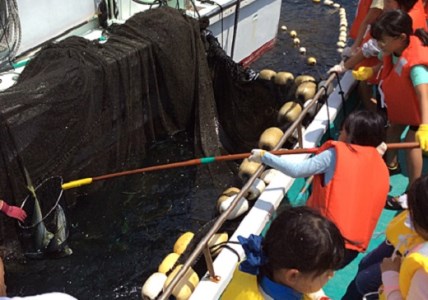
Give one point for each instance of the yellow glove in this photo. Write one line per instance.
(256, 155)
(363, 73)
(422, 137)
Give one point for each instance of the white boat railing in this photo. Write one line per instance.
(318, 126)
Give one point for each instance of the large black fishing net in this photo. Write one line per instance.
(85, 108)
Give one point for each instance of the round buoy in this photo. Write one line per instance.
(340, 44)
(239, 209)
(284, 28)
(168, 263)
(302, 50)
(185, 287)
(270, 138)
(247, 169)
(221, 199)
(342, 39)
(339, 50)
(226, 194)
(296, 41)
(267, 74)
(293, 33)
(306, 90)
(231, 191)
(182, 242)
(289, 112)
(153, 286)
(311, 61)
(302, 78)
(217, 239)
(336, 5)
(283, 78)
(269, 174)
(255, 190)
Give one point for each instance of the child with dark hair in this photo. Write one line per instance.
(404, 87)
(299, 254)
(406, 277)
(351, 180)
(405, 234)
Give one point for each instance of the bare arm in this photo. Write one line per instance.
(371, 17)
(354, 60)
(422, 94)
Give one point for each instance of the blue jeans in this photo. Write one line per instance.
(369, 277)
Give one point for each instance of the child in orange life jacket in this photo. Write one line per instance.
(367, 13)
(351, 180)
(407, 277)
(404, 84)
(299, 254)
(365, 59)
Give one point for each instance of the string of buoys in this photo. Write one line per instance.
(296, 41)
(343, 29)
(170, 266)
(306, 88)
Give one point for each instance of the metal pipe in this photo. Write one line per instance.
(223, 217)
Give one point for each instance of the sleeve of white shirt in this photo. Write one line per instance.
(317, 164)
(419, 286)
(391, 287)
(370, 48)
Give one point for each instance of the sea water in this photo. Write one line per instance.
(120, 235)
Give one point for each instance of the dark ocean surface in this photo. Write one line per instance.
(120, 235)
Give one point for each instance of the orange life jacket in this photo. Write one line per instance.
(426, 10)
(396, 84)
(355, 196)
(362, 11)
(418, 15)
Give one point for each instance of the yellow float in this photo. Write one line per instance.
(182, 242)
(289, 112)
(311, 61)
(303, 78)
(168, 263)
(306, 90)
(283, 78)
(185, 287)
(270, 138)
(247, 169)
(267, 74)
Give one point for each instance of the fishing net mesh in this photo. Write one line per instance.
(83, 108)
